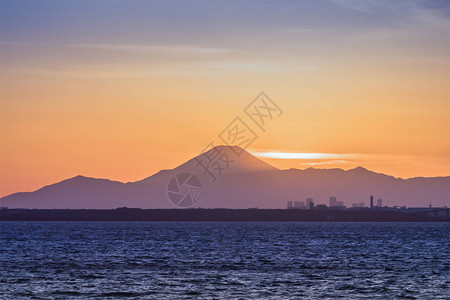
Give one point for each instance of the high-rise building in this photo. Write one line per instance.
(299, 204)
(380, 202)
(339, 204)
(310, 203)
(289, 204)
(333, 201)
(371, 201)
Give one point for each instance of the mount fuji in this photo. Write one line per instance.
(229, 180)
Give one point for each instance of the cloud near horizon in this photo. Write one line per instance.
(345, 160)
(303, 155)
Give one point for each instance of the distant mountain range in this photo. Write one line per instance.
(247, 182)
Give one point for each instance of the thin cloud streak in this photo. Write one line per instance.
(331, 162)
(303, 155)
(334, 157)
(149, 49)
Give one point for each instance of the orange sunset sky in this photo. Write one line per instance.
(120, 91)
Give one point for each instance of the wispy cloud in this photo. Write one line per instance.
(176, 50)
(349, 160)
(304, 155)
(331, 162)
(315, 158)
(149, 49)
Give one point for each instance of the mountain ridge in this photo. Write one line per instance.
(248, 182)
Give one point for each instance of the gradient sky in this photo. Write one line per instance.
(122, 89)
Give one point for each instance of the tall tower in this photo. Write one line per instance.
(310, 203)
(371, 201)
(333, 201)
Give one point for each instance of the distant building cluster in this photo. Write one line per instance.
(333, 203)
(309, 204)
(296, 204)
(361, 204)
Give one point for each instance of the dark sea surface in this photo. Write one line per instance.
(108, 260)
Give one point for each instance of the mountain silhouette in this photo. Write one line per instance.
(245, 181)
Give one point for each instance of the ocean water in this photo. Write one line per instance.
(134, 260)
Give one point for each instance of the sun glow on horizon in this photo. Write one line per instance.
(303, 155)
